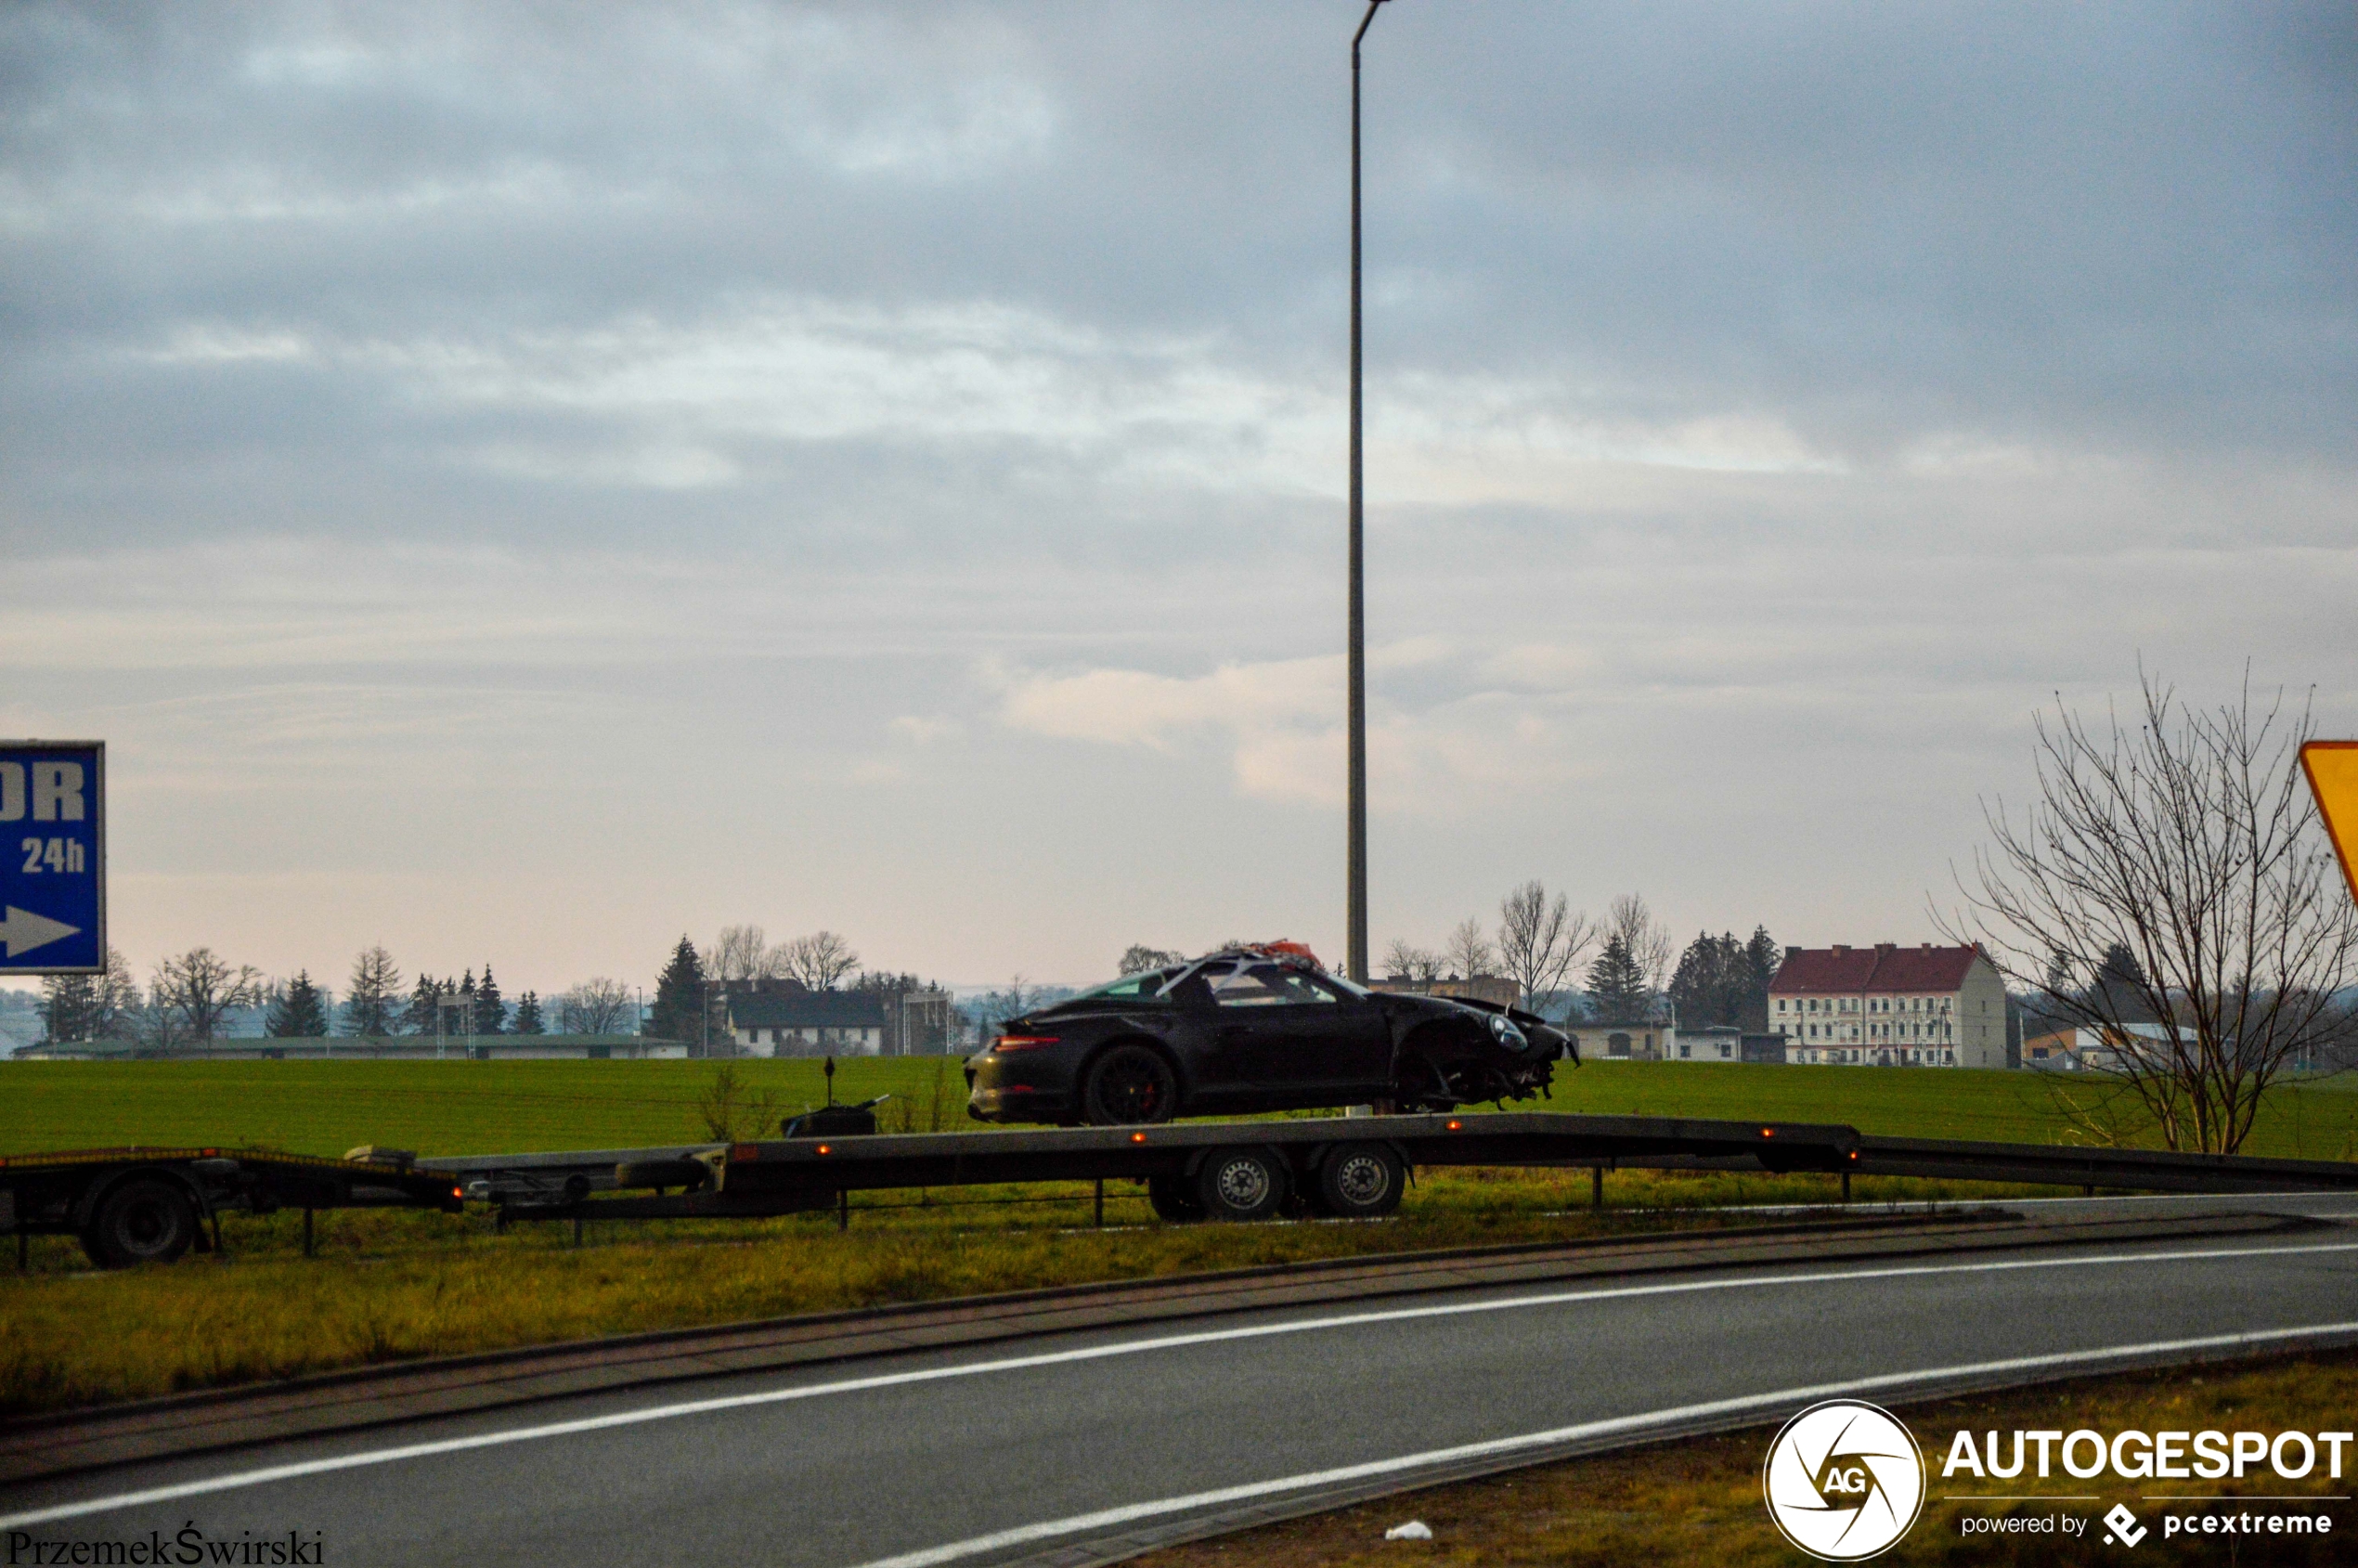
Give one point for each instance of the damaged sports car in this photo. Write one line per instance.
(1254, 1028)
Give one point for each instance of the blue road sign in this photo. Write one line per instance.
(53, 857)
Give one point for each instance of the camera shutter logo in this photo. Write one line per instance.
(1844, 1480)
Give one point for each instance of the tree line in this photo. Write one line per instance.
(196, 996)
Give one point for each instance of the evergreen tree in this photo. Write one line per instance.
(491, 1009)
(680, 997)
(299, 1014)
(373, 1001)
(528, 1015)
(424, 1014)
(2119, 989)
(1617, 990)
(1763, 958)
(1709, 984)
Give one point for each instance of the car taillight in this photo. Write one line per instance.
(1022, 1042)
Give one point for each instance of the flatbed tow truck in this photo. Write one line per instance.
(139, 1205)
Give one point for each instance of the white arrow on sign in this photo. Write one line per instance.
(23, 930)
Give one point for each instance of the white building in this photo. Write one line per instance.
(1888, 1005)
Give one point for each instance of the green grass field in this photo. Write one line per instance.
(505, 1108)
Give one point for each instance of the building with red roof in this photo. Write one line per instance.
(1888, 1005)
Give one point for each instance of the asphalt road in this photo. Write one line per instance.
(1005, 1453)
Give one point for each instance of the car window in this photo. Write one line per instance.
(1268, 985)
(1146, 986)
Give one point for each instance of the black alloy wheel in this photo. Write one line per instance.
(1127, 1086)
(1360, 1181)
(1174, 1200)
(1241, 1185)
(144, 1221)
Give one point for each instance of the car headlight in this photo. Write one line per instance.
(1503, 1029)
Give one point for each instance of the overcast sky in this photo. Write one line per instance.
(519, 483)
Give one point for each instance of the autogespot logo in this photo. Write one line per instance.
(1844, 1480)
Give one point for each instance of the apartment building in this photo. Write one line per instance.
(1888, 1005)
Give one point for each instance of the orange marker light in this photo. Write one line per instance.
(1137, 1137)
(739, 1153)
(823, 1148)
(1456, 1126)
(1767, 1132)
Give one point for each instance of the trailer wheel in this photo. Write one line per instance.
(1128, 1085)
(1241, 1184)
(147, 1221)
(1174, 1200)
(1360, 1181)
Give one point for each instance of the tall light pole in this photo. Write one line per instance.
(1355, 941)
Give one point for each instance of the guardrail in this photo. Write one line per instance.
(2144, 1170)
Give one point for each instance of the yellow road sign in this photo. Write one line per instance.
(2332, 766)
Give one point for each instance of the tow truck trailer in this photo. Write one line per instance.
(150, 1205)
(130, 1206)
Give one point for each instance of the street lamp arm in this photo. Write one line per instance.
(1364, 22)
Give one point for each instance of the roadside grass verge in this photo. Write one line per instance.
(1697, 1503)
(391, 1285)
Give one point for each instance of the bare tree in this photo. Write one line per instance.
(1540, 940)
(100, 1006)
(739, 952)
(1468, 952)
(1417, 963)
(1137, 958)
(1646, 939)
(734, 1112)
(595, 1007)
(2186, 841)
(820, 959)
(191, 995)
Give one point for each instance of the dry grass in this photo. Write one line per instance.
(1697, 1504)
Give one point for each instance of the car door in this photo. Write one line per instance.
(1294, 1036)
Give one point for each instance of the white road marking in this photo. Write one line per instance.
(1024, 1535)
(268, 1474)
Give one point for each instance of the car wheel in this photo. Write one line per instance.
(141, 1222)
(1241, 1185)
(1174, 1200)
(1128, 1085)
(1361, 1182)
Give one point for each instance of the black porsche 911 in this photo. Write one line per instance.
(1253, 1028)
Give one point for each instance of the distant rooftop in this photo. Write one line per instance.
(1885, 968)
